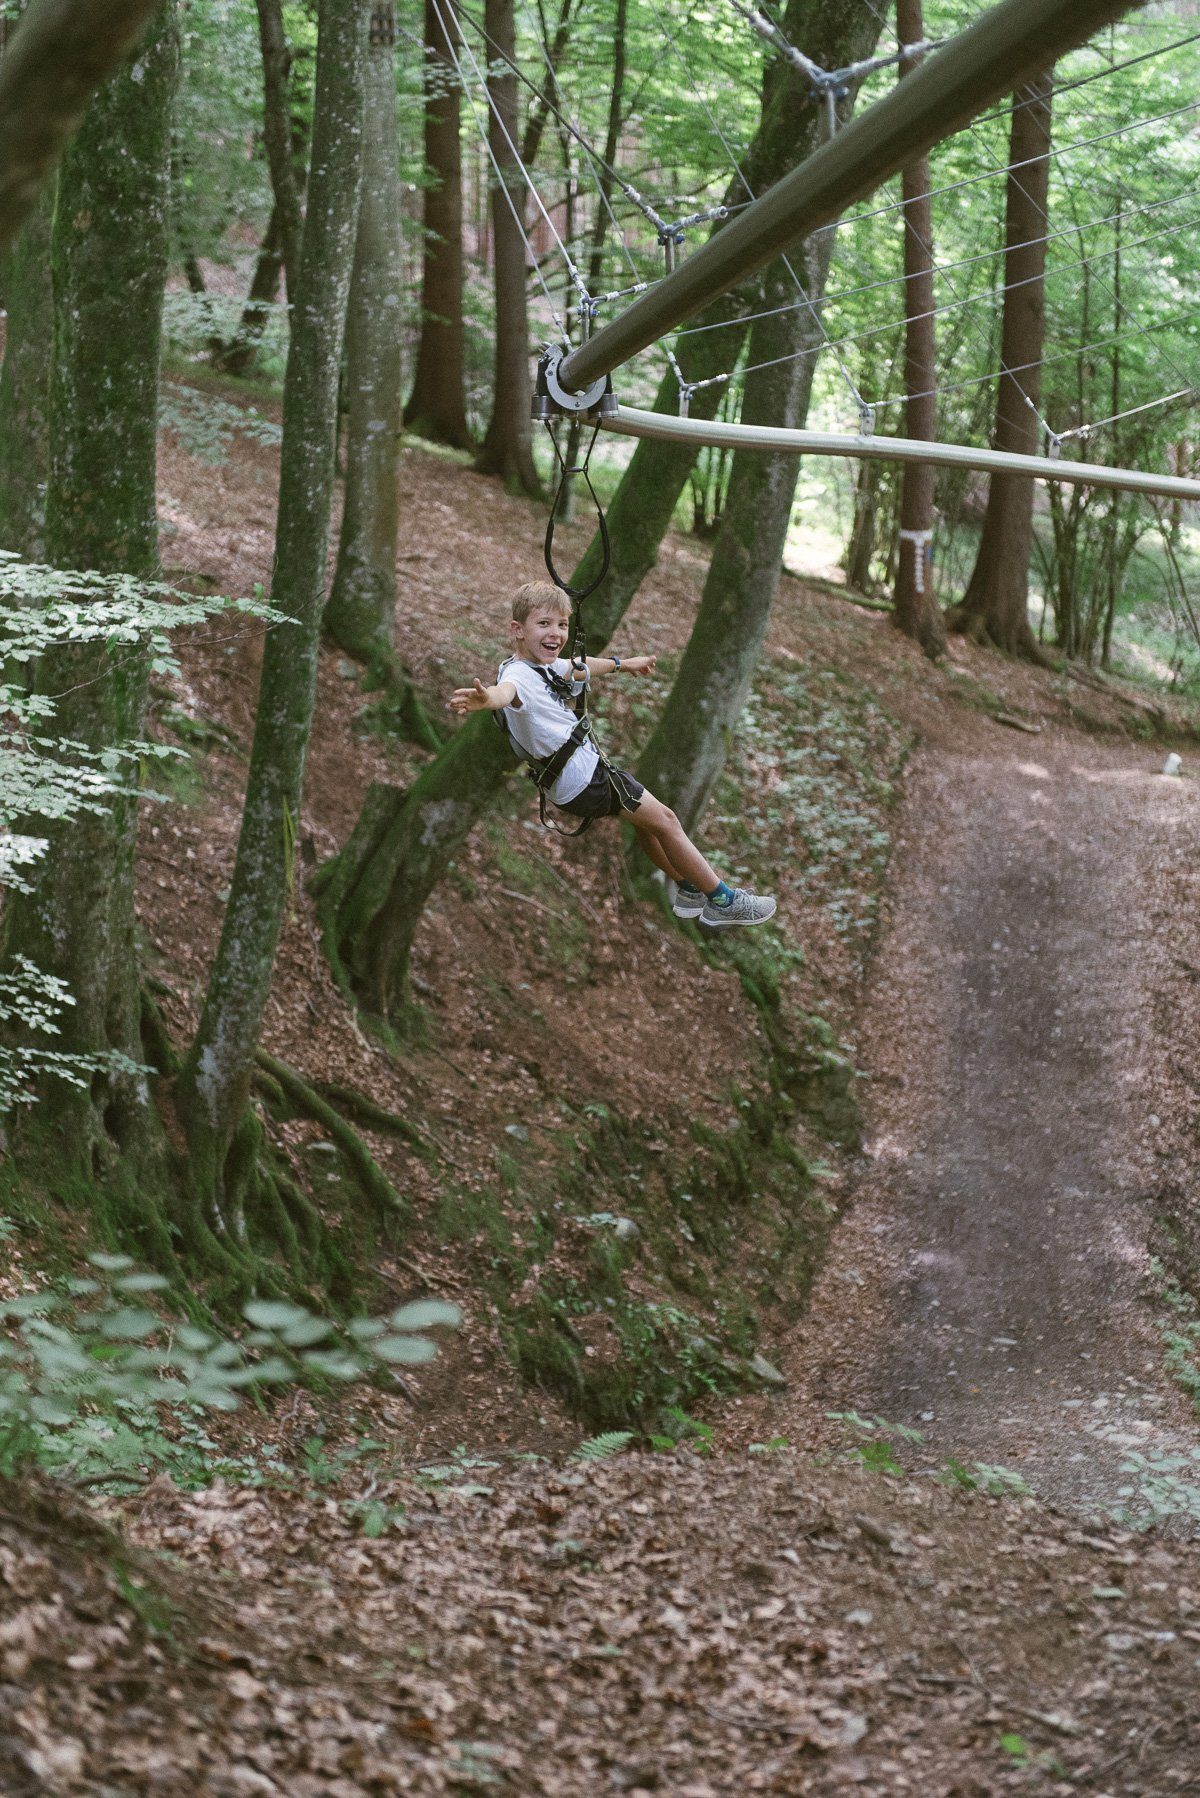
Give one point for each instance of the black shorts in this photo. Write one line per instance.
(609, 793)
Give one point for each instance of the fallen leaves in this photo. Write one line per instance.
(690, 1637)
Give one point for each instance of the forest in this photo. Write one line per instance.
(468, 1318)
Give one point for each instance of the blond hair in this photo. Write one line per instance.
(535, 595)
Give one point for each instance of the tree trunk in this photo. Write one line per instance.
(687, 750)
(360, 616)
(565, 501)
(214, 1085)
(235, 357)
(109, 260)
(278, 135)
(995, 607)
(917, 612)
(507, 448)
(24, 386)
(860, 551)
(372, 895)
(436, 408)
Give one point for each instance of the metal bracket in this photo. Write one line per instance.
(552, 400)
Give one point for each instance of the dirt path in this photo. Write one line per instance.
(990, 1284)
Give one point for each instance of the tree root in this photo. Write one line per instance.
(376, 1186)
(975, 627)
(359, 1106)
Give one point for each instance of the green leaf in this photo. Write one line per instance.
(274, 1314)
(611, 1442)
(307, 1332)
(427, 1314)
(128, 1323)
(337, 1365)
(409, 1349)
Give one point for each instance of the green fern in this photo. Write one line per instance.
(603, 1447)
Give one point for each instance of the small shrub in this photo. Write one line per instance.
(88, 1376)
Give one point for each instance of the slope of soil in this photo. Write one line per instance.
(559, 1074)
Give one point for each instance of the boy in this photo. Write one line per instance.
(535, 691)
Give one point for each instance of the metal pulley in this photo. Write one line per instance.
(552, 400)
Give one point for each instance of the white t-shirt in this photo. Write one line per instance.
(543, 722)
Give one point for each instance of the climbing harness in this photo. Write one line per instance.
(552, 402)
(545, 770)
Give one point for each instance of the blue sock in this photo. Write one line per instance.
(687, 886)
(721, 894)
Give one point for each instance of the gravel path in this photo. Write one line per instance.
(990, 1285)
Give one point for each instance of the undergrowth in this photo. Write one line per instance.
(98, 1387)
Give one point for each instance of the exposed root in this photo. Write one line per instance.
(370, 1176)
(368, 1112)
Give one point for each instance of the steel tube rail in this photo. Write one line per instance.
(1012, 42)
(631, 422)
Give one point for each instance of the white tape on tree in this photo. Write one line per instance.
(920, 541)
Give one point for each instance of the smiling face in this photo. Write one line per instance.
(542, 636)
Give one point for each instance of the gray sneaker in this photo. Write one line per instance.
(743, 908)
(688, 902)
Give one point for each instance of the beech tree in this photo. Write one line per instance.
(109, 251)
(24, 385)
(213, 1089)
(436, 407)
(995, 607)
(285, 135)
(361, 613)
(917, 612)
(687, 750)
(278, 136)
(507, 448)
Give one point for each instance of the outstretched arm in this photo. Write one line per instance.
(478, 698)
(621, 664)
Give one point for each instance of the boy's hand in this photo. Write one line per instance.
(638, 664)
(477, 698)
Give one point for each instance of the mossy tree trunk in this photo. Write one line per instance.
(213, 1090)
(917, 612)
(436, 407)
(687, 750)
(995, 607)
(507, 448)
(361, 614)
(278, 135)
(25, 385)
(372, 895)
(109, 259)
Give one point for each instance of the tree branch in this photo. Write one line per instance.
(55, 60)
